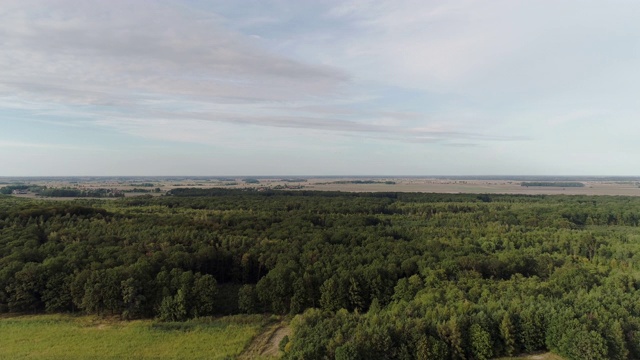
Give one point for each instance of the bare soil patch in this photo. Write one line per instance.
(266, 344)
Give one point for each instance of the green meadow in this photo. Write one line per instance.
(92, 337)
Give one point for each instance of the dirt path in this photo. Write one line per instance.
(266, 344)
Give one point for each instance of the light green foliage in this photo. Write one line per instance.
(587, 345)
(508, 334)
(481, 345)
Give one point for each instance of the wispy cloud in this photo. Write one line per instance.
(105, 50)
(113, 62)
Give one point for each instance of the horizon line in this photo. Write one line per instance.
(322, 176)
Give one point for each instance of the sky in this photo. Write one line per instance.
(289, 87)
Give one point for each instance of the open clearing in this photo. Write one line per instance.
(90, 337)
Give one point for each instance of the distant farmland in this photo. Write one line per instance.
(130, 187)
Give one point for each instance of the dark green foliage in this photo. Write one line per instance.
(247, 299)
(9, 189)
(174, 308)
(532, 329)
(333, 296)
(204, 295)
(143, 184)
(78, 193)
(384, 275)
(283, 343)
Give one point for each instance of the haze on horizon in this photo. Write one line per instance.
(324, 87)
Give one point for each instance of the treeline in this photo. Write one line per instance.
(381, 275)
(78, 193)
(553, 183)
(66, 192)
(141, 190)
(10, 188)
(359, 182)
(143, 184)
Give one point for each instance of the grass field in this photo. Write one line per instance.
(89, 337)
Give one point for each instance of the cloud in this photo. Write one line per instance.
(101, 52)
(217, 127)
(489, 53)
(132, 66)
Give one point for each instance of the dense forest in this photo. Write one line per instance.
(368, 275)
